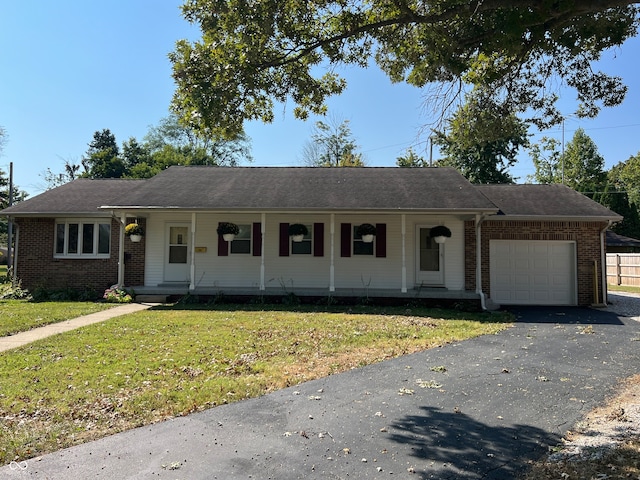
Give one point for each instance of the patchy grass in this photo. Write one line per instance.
(148, 366)
(22, 315)
(623, 288)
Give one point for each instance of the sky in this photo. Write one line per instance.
(70, 68)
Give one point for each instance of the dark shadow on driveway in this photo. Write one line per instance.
(564, 315)
(453, 445)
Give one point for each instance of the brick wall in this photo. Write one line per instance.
(586, 235)
(37, 267)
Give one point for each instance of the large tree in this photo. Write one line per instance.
(482, 140)
(102, 159)
(583, 166)
(332, 145)
(255, 53)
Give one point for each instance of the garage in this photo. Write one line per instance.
(533, 272)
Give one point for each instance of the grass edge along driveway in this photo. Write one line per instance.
(152, 365)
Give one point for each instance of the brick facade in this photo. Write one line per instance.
(586, 236)
(37, 267)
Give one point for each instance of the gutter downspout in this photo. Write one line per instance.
(603, 263)
(122, 222)
(479, 220)
(12, 256)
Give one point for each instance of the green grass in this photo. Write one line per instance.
(21, 315)
(144, 367)
(623, 288)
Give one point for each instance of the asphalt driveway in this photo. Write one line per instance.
(478, 409)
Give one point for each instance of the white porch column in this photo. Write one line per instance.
(332, 279)
(263, 223)
(123, 222)
(404, 256)
(192, 282)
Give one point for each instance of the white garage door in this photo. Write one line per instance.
(532, 272)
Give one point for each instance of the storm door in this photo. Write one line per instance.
(429, 259)
(177, 255)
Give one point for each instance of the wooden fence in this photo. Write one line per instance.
(623, 269)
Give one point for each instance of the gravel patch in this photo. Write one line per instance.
(624, 304)
(608, 426)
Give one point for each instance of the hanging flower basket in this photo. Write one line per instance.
(366, 231)
(297, 231)
(134, 231)
(440, 233)
(228, 231)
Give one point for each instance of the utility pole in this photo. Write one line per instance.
(10, 224)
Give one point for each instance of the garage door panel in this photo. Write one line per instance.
(532, 272)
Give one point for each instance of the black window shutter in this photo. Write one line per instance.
(223, 246)
(345, 239)
(318, 239)
(284, 239)
(381, 240)
(257, 239)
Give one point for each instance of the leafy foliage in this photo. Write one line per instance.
(482, 140)
(254, 54)
(583, 165)
(168, 143)
(332, 145)
(411, 159)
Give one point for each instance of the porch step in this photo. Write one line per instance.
(151, 298)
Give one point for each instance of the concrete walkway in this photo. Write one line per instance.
(23, 338)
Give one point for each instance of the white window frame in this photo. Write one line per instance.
(307, 239)
(81, 222)
(248, 237)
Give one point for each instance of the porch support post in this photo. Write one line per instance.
(192, 247)
(332, 271)
(404, 256)
(123, 221)
(263, 223)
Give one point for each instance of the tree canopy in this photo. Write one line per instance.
(482, 140)
(253, 54)
(168, 143)
(332, 145)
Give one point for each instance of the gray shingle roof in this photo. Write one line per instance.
(79, 197)
(277, 188)
(544, 200)
(288, 188)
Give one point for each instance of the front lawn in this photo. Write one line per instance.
(21, 315)
(151, 365)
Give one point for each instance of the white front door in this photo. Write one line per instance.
(177, 255)
(429, 259)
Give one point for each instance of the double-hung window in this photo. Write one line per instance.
(82, 238)
(242, 241)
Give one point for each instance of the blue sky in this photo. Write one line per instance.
(72, 67)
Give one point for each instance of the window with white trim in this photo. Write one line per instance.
(82, 239)
(242, 241)
(303, 247)
(361, 247)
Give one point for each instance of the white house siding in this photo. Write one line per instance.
(304, 271)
